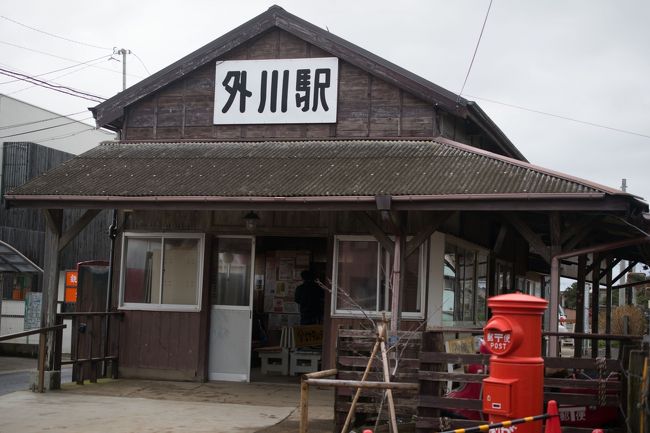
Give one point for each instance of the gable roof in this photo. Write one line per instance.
(300, 173)
(109, 112)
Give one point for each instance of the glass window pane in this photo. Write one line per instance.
(449, 293)
(233, 282)
(357, 275)
(142, 270)
(468, 285)
(180, 271)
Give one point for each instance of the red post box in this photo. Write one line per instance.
(515, 387)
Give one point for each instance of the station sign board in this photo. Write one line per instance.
(276, 91)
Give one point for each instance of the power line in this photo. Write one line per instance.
(18, 125)
(141, 62)
(59, 70)
(46, 128)
(62, 58)
(475, 50)
(52, 80)
(45, 84)
(558, 116)
(53, 35)
(65, 135)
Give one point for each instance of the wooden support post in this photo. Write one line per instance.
(555, 225)
(595, 302)
(580, 304)
(357, 394)
(41, 361)
(53, 226)
(397, 282)
(304, 406)
(608, 307)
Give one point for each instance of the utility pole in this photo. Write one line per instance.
(123, 52)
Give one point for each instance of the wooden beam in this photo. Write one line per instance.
(79, 225)
(374, 229)
(534, 241)
(580, 304)
(501, 236)
(575, 228)
(436, 221)
(608, 306)
(624, 271)
(595, 304)
(578, 237)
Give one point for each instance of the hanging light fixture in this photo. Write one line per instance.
(251, 219)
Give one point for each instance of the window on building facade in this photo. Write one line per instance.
(362, 278)
(161, 271)
(465, 289)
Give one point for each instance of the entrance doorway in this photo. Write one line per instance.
(280, 261)
(231, 314)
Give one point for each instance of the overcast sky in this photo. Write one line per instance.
(586, 60)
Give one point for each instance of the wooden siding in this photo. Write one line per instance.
(24, 228)
(161, 344)
(368, 107)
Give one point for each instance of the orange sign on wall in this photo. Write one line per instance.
(71, 286)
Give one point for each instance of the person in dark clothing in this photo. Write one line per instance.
(310, 297)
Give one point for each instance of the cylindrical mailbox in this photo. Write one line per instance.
(515, 387)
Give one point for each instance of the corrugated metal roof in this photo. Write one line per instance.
(298, 169)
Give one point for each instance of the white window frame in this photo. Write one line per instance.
(477, 249)
(162, 307)
(422, 281)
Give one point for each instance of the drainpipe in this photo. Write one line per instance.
(112, 234)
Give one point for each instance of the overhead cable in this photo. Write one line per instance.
(58, 88)
(558, 116)
(11, 44)
(46, 128)
(18, 125)
(475, 51)
(53, 35)
(60, 69)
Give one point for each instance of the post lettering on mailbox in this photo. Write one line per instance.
(276, 91)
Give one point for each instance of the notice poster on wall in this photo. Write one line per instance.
(285, 269)
(33, 307)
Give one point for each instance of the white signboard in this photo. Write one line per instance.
(276, 91)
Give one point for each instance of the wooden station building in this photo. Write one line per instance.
(281, 147)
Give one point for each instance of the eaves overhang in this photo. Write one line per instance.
(469, 202)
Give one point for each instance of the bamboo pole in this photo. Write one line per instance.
(320, 374)
(357, 394)
(389, 394)
(359, 384)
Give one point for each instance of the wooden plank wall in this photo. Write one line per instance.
(161, 345)
(353, 350)
(434, 408)
(367, 106)
(24, 228)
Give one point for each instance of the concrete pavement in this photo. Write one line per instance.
(156, 406)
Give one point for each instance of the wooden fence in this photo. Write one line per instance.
(437, 412)
(354, 348)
